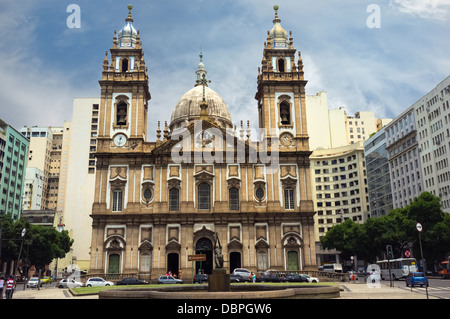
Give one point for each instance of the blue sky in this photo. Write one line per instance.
(45, 65)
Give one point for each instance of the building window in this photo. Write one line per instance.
(281, 66)
(289, 198)
(233, 198)
(204, 196)
(121, 113)
(148, 194)
(117, 200)
(259, 193)
(124, 65)
(174, 199)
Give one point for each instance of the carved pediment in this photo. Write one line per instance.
(234, 245)
(173, 246)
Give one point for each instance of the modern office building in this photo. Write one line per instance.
(13, 160)
(432, 120)
(378, 174)
(404, 158)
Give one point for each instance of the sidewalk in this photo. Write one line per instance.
(349, 290)
(360, 290)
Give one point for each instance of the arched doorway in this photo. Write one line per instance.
(204, 246)
(173, 263)
(235, 260)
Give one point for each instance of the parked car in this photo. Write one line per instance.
(271, 277)
(352, 275)
(131, 281)
(310, 279)
(69, 283)
(238, 278)
(295, 278)
(169, 280)
(47, 280)
(245, 273)
(416, 278)
(201, 278)
(33, 282)
(98, 281)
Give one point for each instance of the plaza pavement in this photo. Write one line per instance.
(349, 290)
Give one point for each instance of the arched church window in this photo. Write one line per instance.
(121, 113)
(124, 65)
(285, 113)
(281, 66)
(204, 196)
(174, 199)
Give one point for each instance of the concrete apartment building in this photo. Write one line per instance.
(338, 172)
(432, 120)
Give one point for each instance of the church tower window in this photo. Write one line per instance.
(285, 113)
(121, 113)
(281, 65)
(125, 64)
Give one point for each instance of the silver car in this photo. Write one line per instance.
(169, 280)
(98, 281)
(33, 282)
(69, 283)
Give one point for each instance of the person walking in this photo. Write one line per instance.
(10, 286)
(2, 285)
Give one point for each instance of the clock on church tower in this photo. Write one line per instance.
(124, 92)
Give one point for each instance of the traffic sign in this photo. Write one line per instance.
(407, 253)
(419, 227)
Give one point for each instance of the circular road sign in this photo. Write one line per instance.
(419, 227)
(407, 253)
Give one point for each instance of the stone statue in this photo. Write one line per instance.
(218, 257)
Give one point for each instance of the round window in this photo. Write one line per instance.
(148, 193)
(260, 193)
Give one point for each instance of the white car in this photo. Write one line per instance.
(244, 273)
(69, 283)
(33, 282)
(310, 279)
(98, 281)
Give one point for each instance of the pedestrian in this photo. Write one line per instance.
(10, 286)
(254, 277)
(2, 284)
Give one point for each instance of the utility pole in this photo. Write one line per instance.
(419, 229)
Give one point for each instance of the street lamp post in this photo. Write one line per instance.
(20, 251)
(419, 229)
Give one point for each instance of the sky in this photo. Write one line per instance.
(368, 55)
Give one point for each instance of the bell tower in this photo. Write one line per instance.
(124, 92)
(281, 91)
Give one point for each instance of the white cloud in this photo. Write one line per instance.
(429, 9)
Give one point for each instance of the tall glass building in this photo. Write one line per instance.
(378, 177)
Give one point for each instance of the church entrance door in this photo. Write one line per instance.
(293, 261)
(173, 263)
(204, 246)
(235, 260)
(113, 264)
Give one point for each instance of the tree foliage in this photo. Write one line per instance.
(42, 244)
(397, 228)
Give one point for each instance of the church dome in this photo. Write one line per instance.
(188, 107)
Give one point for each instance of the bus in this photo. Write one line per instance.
(400, 267)
(332, 267)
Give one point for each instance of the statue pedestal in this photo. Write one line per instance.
(219, 280)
